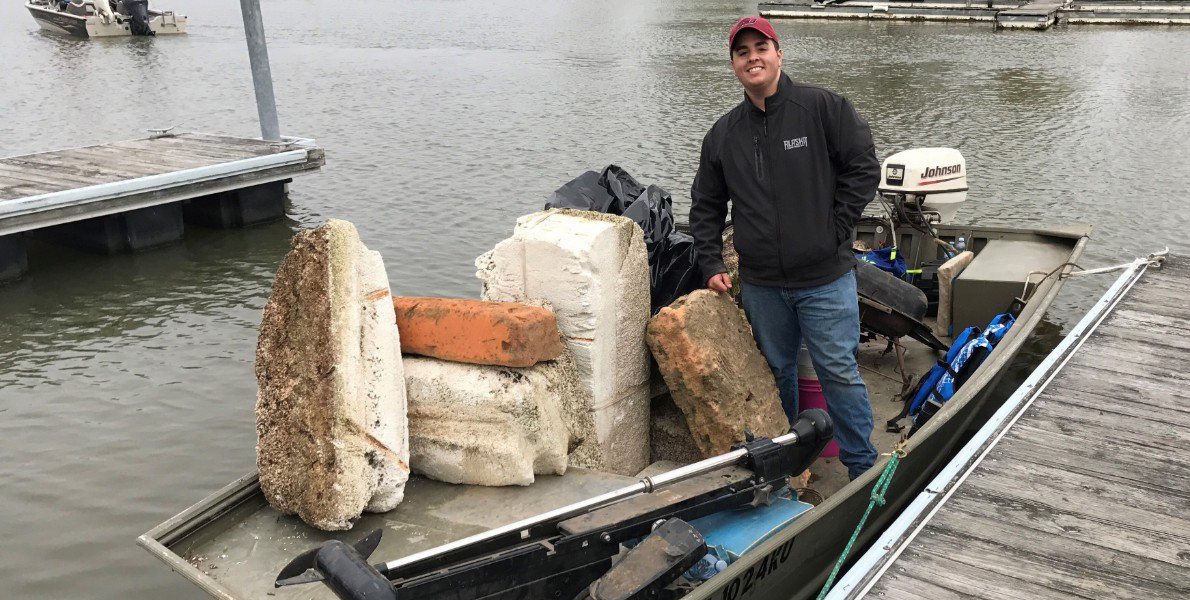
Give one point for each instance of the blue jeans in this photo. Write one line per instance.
(829, 316)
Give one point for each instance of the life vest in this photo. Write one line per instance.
(940, 384)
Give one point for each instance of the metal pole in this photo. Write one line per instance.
(262, 77)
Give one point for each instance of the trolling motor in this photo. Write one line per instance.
(567, 553)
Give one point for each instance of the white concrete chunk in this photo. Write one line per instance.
(592, 269)
(332, 437)
(486, 425)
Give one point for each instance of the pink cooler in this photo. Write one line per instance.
(809, 395)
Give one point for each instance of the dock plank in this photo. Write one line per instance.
(1140, 333)
(1074, 412)
(1104, 458)
(1156, 321)
(1129, 416)
(1121, 386)
(1164, 376)
(942, 578)
(242, 146)
(1036, 515)
(44, 175)
(163, 148)
(148, 163)
(1055, 571)
(89, 171)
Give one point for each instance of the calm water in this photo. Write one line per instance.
(126, 387)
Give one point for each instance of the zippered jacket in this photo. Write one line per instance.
(798, 175)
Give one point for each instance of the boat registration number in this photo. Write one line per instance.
(744, 584)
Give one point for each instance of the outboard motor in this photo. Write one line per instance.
(138, 17)
(925, 184)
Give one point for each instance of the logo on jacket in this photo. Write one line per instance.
(796, 143)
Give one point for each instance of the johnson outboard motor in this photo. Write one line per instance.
(926, 185)
(138, 17)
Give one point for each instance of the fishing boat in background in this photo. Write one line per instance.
(658, 532)
(104, 18)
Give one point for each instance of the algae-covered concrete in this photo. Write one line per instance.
(332, 437)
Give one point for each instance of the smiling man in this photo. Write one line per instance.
(798, 165)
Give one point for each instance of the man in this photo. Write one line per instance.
(798, 164)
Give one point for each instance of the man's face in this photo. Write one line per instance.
(755, 60)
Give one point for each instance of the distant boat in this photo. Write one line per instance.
(104, 18)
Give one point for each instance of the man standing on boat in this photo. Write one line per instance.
(799, 165)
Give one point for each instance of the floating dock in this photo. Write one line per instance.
(1012, 14)
(1079, 486)
(132, 195)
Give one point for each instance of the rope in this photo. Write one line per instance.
(878, 499)
(1155, 260)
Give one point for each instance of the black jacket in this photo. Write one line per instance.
(798, 175)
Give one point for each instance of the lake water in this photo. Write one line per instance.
(127, 387)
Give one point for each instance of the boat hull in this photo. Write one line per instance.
(794, 563)
(91, 26)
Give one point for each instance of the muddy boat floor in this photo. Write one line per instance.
(880, 373)
(245, 559)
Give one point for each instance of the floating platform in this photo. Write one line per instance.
(1033, 15)
(1079, 486)
(1011, 14)
(136, 194)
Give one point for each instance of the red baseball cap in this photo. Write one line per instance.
(757, 23)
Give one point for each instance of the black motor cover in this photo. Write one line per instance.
(138, 12)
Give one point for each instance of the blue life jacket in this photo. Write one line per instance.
(957, 369)
(940, 384)
(886, 259)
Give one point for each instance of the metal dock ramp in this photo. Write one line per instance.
(1079, 487)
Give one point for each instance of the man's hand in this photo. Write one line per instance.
(720, 282)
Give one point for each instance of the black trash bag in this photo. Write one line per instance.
(673, 271)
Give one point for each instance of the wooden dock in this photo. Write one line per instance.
(1081, 491)
(129, 195)
(1033, 15)
(1005, 14)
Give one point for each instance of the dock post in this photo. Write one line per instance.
(262, 77)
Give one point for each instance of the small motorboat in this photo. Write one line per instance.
(719, 529)
(104, 18)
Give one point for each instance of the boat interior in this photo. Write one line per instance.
(234, 545)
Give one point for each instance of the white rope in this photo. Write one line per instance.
(1153, 260)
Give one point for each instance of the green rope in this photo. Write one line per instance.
(877, 499)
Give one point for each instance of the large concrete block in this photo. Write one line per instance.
(715, 372)
(487, 425)
(332, 437)
(592, 269)
(508, 334)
